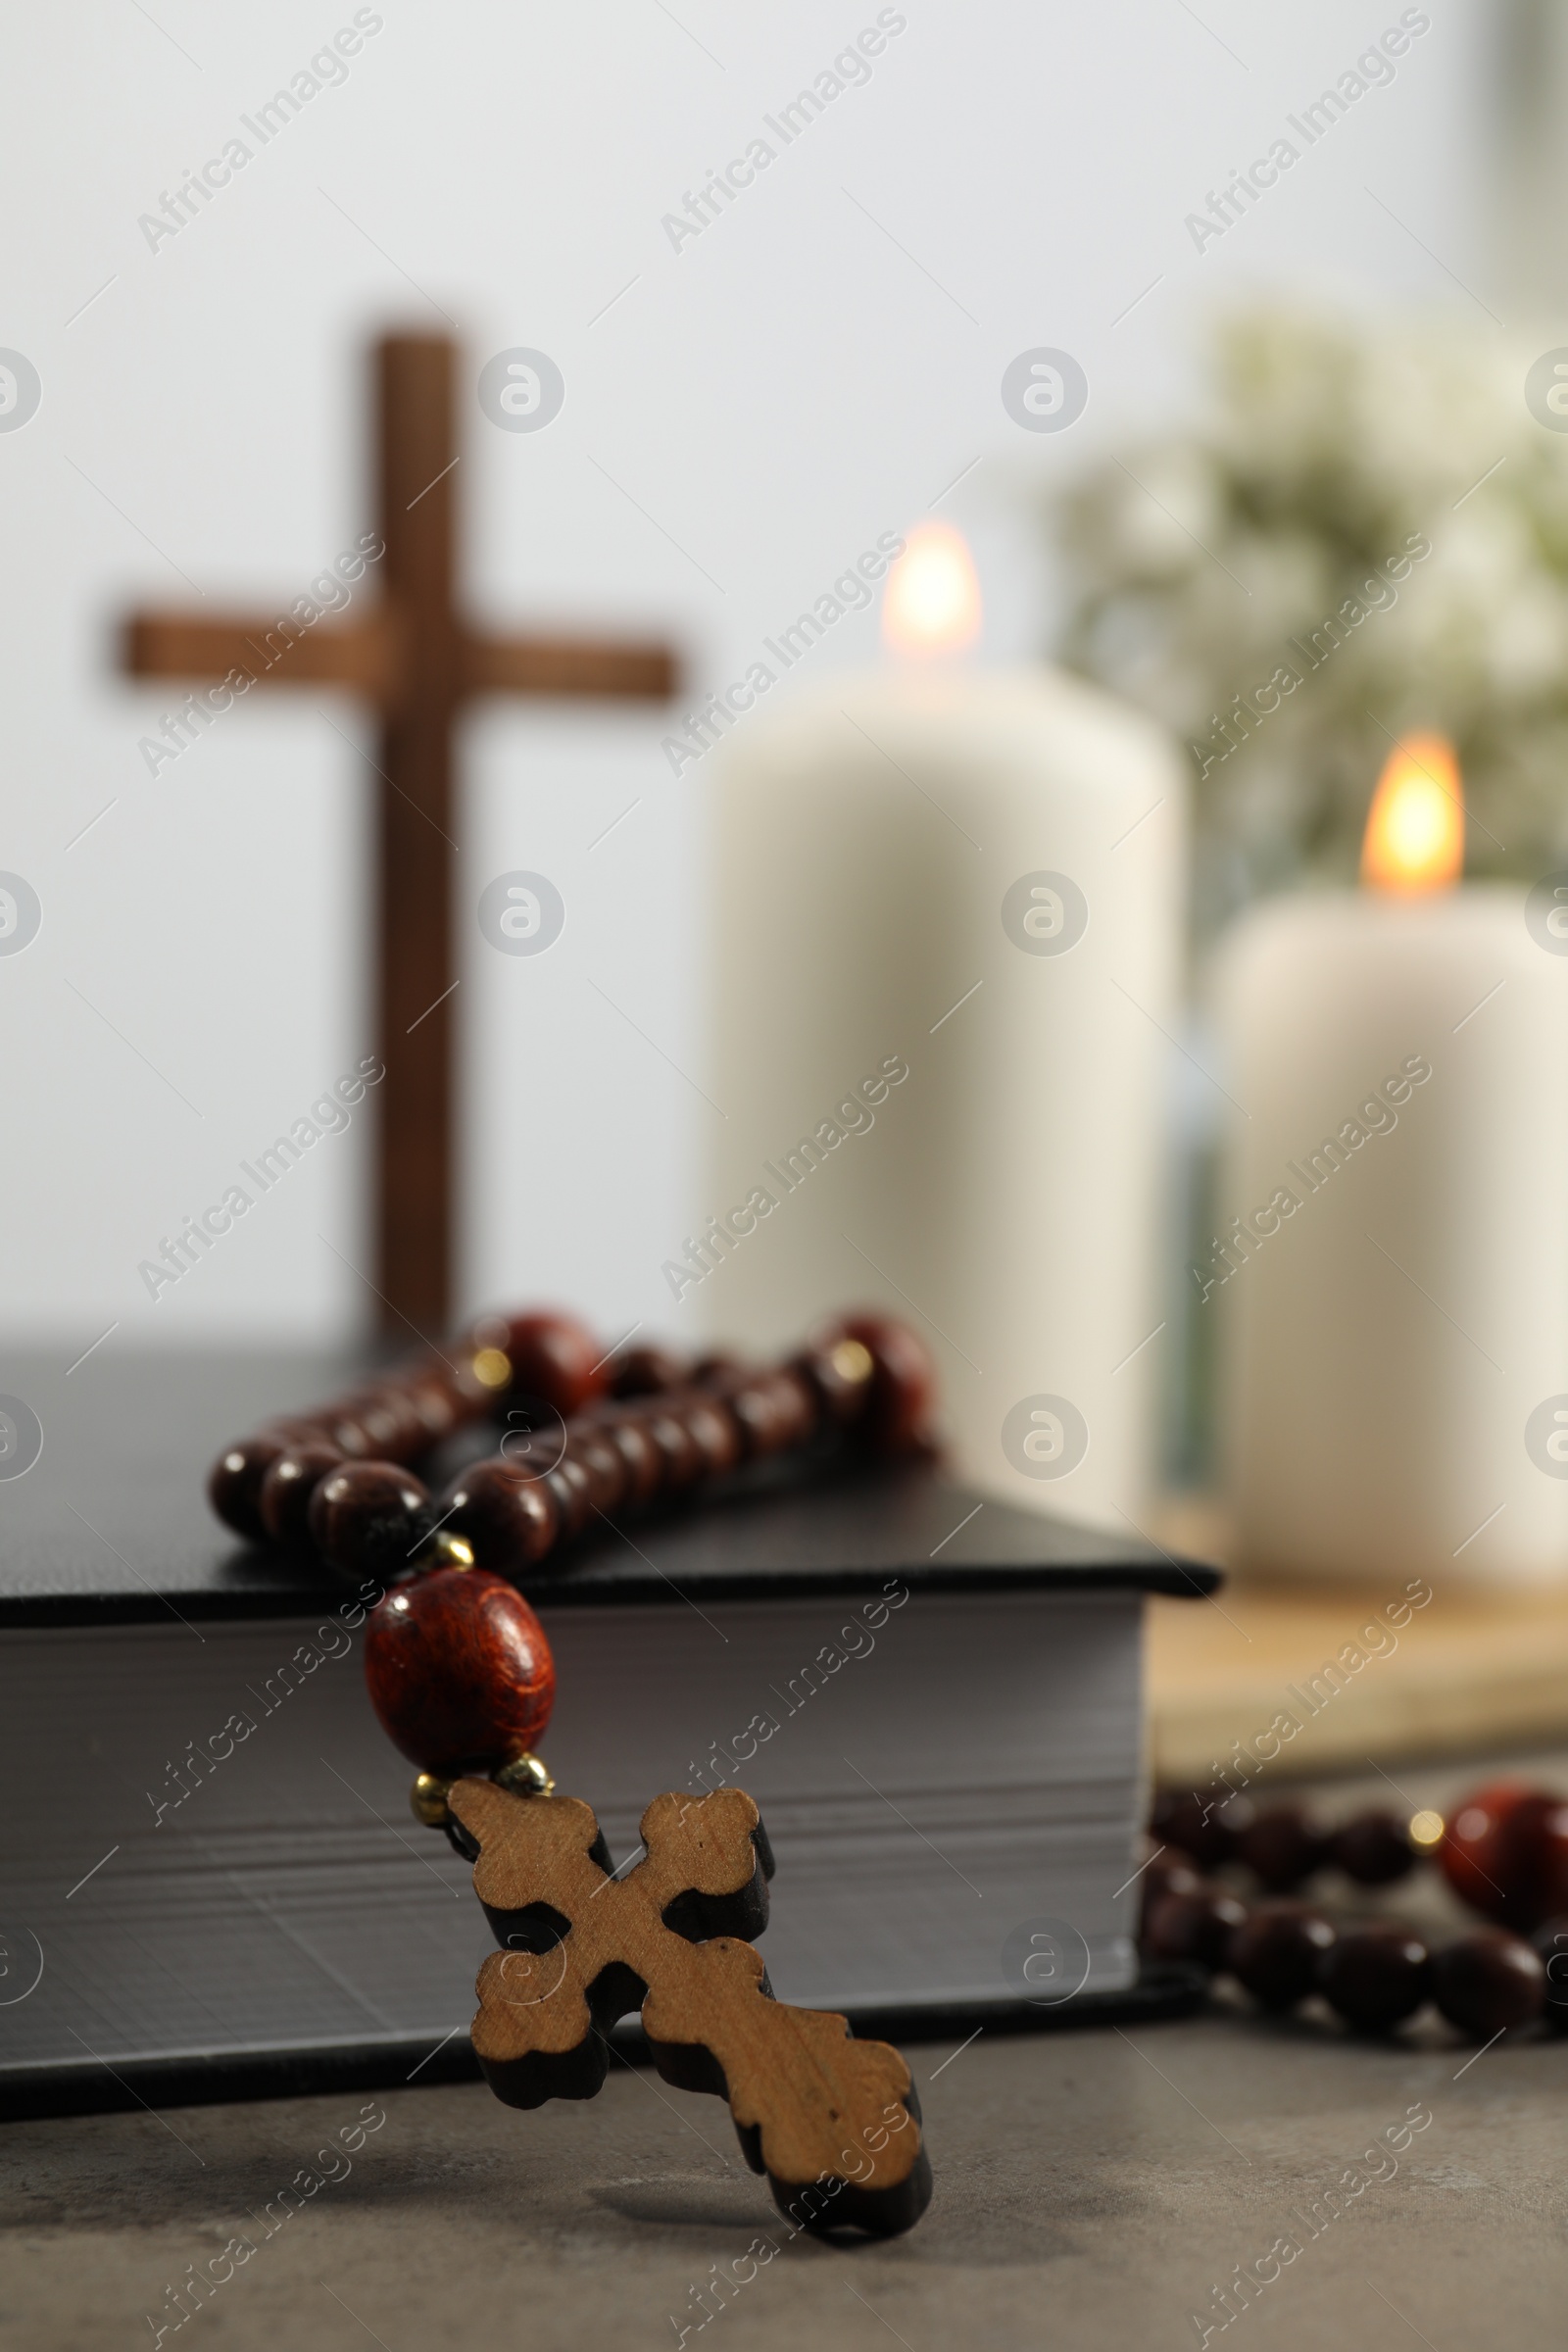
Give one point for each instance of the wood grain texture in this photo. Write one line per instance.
(1471, 1673)
(458, 1667)
(414, 658)
(834, 2123)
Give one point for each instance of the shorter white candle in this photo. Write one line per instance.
(1390, 1271)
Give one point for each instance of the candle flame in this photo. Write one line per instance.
(1415, 829)
(932, 604)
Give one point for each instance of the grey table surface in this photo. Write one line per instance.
(1092, 2189)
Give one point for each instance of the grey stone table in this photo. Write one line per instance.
(1094, 2188)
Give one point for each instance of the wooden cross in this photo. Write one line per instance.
(834, 2123)
(415, 658)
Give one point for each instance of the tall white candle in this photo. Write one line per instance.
(1390, 1272)
(947, 909)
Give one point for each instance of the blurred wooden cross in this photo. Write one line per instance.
(417, 661)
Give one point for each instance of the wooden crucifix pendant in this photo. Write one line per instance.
(834, 2123)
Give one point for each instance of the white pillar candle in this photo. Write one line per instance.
(947, 909)
(1390, 1272)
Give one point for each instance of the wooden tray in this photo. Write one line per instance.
(1469, 1673)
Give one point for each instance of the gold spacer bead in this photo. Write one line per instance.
(1426, 1829)
(852, 1359)
(427, 1799)
(444, 1550)
(526, 1775)
(491, 1367)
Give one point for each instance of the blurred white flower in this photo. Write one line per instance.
(1335, 451)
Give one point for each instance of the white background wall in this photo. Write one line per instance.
(771, 398)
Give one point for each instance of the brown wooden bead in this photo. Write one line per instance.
(1275, 1952)
(1551, 1944)
(773, 1411)
(510, 1521)
(568, 1485)
(641, 1456)
(646, 1372)
(839, 1373)
(1376, 1975)
(1196, 1825)
(1505, 1853)
(554, 1357)
(390, 1421)
(1195, 1925)
(717, 1370)
(1488, 1980)
(1373, 1847)
(342, 1428)
(1169, 1873)
(370, 1518)
(287, 1488)
(235, 1482)
(439, 1405)
(897, 1417)
(680, 1457)
(710, 1421)
(607, 1474)
(459, 1671)
(1281, 1847)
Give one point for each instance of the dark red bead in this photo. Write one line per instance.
(459, 1671)
(1281, 1847)
(568, 1485)
(1376, 1975)
(288, 1485)
(1197, 1825)
(680, 1457)
(839, 1373)
(342, 1428)
(1276, 1951)
(773, 1411)
(710, 1421)
(390, 1422)
(1505, 1853)
(639, 1453)
(646, 1372)
(370, 1518)
(1551, 1944)
(1169, 1873)
(1195, 1925)
(904, 1382)
(1373, 1847)
(235, 1482)
(439, 1405)
(554, 1357)
(511, 1521)
(1488, 1980)
(607, 1474)
(718, 1370)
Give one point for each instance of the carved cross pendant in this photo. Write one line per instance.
(834, 2123)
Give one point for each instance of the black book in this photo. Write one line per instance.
(213, 1881)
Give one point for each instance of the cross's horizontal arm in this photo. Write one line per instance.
(272, 652)
(568, 665)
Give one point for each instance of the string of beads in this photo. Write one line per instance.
(458, 1666)
(588, 1431)
(1504, 1851)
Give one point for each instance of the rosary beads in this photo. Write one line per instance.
(461, 1675)
(587, 1432)
(1504, 1851)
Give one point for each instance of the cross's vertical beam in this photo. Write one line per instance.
(414, 960)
